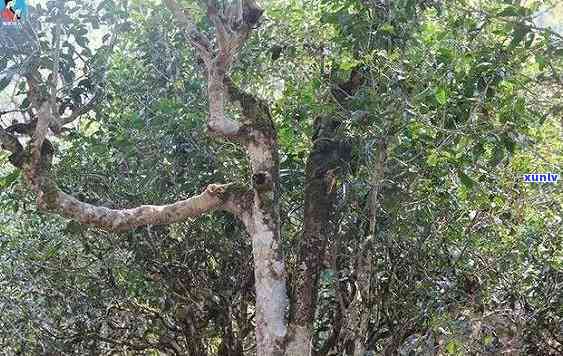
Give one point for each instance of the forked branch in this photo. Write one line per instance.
(232, 28)
(36, 163)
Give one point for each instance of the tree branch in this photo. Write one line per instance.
(230, 37)
(40, 134)
(51, 198)
(53, 83)
(81, 110)
(185, 20)
(9, 142)
(213, 198)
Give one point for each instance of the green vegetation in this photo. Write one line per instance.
(419, 119)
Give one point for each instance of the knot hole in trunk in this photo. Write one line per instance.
(262, 181)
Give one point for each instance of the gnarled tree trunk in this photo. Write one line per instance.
(256, 206)
(326, 162)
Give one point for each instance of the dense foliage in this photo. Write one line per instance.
(439, 109)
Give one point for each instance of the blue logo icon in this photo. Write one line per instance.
(12, 11)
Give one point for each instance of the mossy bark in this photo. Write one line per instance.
(262, 222)
(326, 162)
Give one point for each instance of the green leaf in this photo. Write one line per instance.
(327, 275)
(441, 95)
(509, 143)
(465, 179)
(68, 75)
(81, 31)
(4, 82)
(95, 23)
(104, 4)
(445, 55)
(25, 104)
(387, 28)
(529, 40)
(76, 95)
(477, 150)
(86, 83)
(347, 62)
(451, 347)
(46, 62)
(81, 41)
(519, 106)
(53, 250)
(3, 63)
(137, 122)
(540, 60)
(519, 34)
(498, 155)
(7, 181)
(73, 227)
(509, 11)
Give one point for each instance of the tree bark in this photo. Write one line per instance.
(325, 163)
(321, 175)
(258, 208)
(262, 222)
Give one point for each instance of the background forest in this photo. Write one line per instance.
(404, 130)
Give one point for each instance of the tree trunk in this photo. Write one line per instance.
(262, 222)
(320, 188)
(325, 163)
